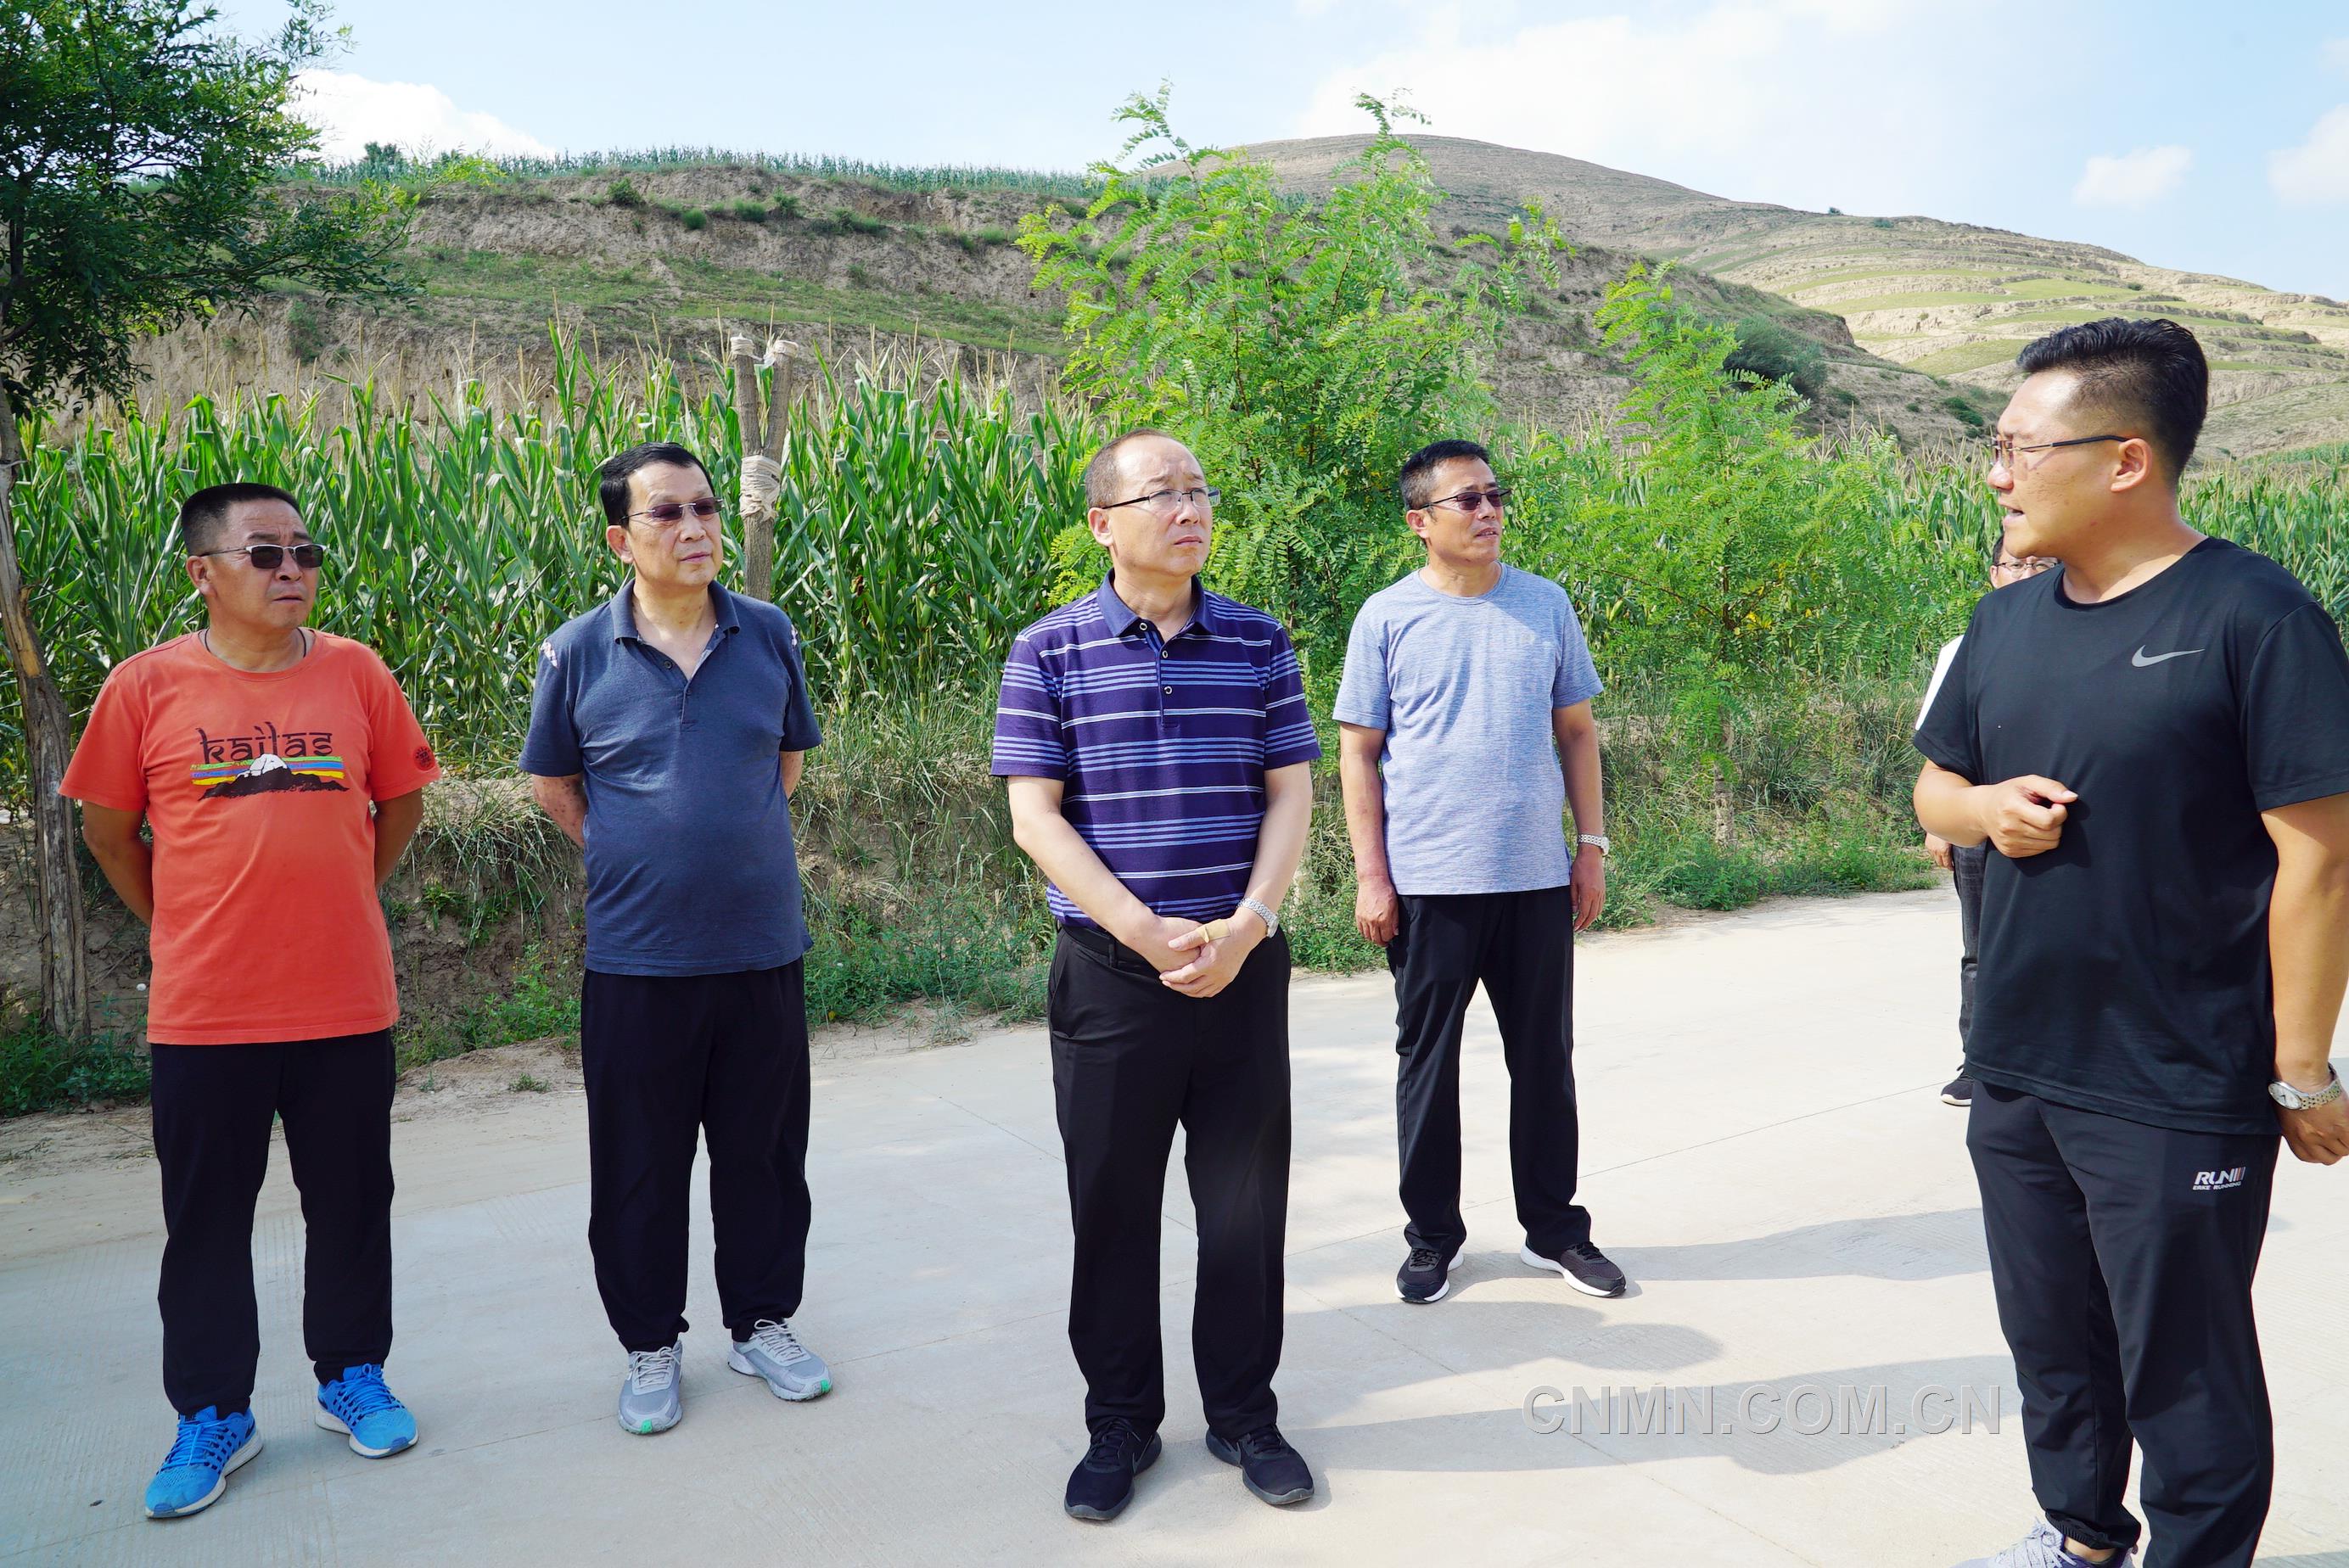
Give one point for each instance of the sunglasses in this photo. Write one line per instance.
(670, 513)
(269, 557)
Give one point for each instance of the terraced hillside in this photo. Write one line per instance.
(1951, 300)
(668, 257)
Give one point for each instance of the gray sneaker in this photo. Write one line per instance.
(774, 1352)
(2043, 1548)
(650, 1398)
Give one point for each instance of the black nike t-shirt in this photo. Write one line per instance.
(2125, 970)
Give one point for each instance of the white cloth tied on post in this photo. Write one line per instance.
(762, 481)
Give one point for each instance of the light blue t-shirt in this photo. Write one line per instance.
(1465, 689)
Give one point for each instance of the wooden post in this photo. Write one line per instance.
(49, 736)
(762, 449)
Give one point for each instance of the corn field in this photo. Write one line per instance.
(912, 530)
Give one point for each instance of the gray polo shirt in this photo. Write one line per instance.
(689, 863)
(1465, 689)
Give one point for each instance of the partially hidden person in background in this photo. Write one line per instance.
(1964, 862)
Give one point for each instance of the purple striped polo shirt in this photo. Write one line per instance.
(1161, 746)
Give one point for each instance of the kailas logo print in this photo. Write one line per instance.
(2219, 1180)
(264, 761)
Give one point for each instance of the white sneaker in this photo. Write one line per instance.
(650, 1398)
(2043, 1548)
(774, 1353)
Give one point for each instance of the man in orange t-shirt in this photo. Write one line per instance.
(282, 773)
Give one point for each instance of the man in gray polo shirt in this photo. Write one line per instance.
(666, 739)
(1464, 728)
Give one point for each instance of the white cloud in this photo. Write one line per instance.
(2133, 179)
(2317, 170)
(351, 111)
(1726, 98)
(2335, 53)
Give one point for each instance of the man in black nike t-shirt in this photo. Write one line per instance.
(2155, 741)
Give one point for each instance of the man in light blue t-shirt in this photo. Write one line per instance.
(1465, 722)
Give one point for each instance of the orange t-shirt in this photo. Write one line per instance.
(258, 788)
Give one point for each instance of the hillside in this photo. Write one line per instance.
(660, 257)
(1949, 300)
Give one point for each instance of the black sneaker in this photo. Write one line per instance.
(1102, 1483)
(1269, 1466)
(1425, 1276)
(1959, 1091)
(1586, 1268)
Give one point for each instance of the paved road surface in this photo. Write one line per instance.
(1763, 1150)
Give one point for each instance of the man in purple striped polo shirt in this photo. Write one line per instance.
(1159, 749)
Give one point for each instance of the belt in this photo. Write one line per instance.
(1106, 948)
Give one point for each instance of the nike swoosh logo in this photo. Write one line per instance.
(2141, 662)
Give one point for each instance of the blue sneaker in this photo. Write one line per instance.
(195, 1472)
(360, 1404)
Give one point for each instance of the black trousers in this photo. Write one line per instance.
(1129, 1060)
(1520, 947)
(668, 1058)
(212, 1107)
(2122, 1256)
(1967, 863)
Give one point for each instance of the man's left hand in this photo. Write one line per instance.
(1590, 885)
(1221, 963)
(2321, 1136)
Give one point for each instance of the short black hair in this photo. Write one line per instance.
(614, 476)
(2148, 372)
(1101, 472)
(203, 515)
(1416, 480)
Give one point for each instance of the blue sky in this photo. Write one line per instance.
(2185, 134)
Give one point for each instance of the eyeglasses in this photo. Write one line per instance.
(269, 557)
(670, 513)
(1474, 501)
(2003, 448)
(2027, 566)
(1168, 500)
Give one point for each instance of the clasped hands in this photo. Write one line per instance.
(1198, 958)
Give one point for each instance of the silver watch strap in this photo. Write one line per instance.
(1265, 914)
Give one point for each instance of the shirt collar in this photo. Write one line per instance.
(624, 611)
(1123, 618)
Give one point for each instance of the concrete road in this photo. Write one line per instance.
(1763, 1152)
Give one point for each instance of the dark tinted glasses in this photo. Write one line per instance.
(270, 557)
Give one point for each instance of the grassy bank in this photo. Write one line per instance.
(918, 897)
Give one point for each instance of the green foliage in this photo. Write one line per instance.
(138, 150)
(1967, 414)
(1722, 549)
(1301, 348)
(306, 331)
(915, 529)
(694, 218)
(848, 220)
(40, 1072)
(786, 205)
(944, 177)
(1774, 351)
(749, 211)
(623, 192)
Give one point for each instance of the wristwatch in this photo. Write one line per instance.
(1598, 841)
(1263, 912)
(2291, 1099)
